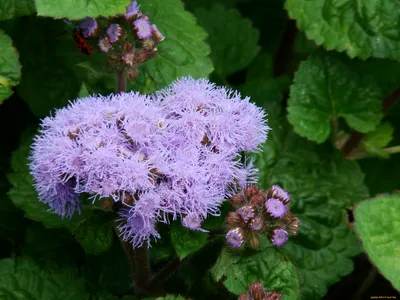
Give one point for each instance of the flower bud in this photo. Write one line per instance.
(142, 56)
(294, 226)
(275, 208)
(235, 237)
(129, 59)
(277, 192)
(254, 241)
(251, 190)
(256, 291)
(273, 296)
(258, 199)
(246, 212)
(158, 37)
(244, 297)
(279, 237)
(257, 223)
(104, 44)
(127, 46)
(132, 73)
(114, 32)
(148, 44)
(233, 219)
(237, 199)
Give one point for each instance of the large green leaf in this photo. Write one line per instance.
(10, 68)
(56, 245)
(326, 88)
(10, 9)
(378, 226)
(184, 51)
(49, 56)
(11, 218)
(375, 141)
(186, 241)
(48, 88)
(322, 184)
(233, 39)
(24, 195)
(270, 266)
(110, 271)
(24, 279)
(95, 234)
(79, 9)
(361, 28)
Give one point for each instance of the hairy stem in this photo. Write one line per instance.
(355, 138)
(364, 154)
(285, 48)
(142, 268)
(121, 81)
(366, 283)
(167, 271)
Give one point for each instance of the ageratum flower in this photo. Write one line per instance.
(114, 32)
(279, 237)
(132, 10)
(275, 208)
(147, 153)
(88, 27)
(143, 28)
(235, 237)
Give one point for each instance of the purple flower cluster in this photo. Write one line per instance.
(174, 154)
(258, 212)
(129, 40)
(256, 291)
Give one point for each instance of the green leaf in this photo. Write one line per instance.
(270, 18)
(11, 219)
(79, 9)
(318, 180)
(377, 224)
(361, 28)
(326, 88)
(375, 141)
(95, 234)
(233, 39)
(24, 279)
(24, 195)
(50, 78)
(10, 68)
(184, 51)
(50, 87)
(10, 9)
(83, 92)
(109, 271)
(186, 241)
(56, 245)
(270, 266)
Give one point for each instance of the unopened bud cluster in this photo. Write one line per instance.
(259, 212)
(257, 291)
(129, 40)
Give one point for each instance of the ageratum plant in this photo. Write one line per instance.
(187, 149)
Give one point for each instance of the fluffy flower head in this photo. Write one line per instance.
(149, 153)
